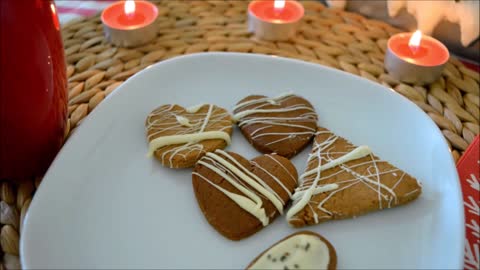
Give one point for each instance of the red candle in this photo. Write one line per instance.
(415, 49)
(130, 23)
(415, 59)
(277, 11)
(274, 20)
(129, 14)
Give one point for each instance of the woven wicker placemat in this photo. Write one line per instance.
(334, 38)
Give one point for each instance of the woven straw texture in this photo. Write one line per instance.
(334, 38)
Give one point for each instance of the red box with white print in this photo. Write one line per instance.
(469, 172)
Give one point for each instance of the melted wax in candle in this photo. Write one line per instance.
(404, 50)
(131, 19)
(278, 14)
(266, 11)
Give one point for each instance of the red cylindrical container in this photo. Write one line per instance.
(33, 87)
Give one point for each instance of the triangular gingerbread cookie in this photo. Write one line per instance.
(343, 181)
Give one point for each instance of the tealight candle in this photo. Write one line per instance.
(130, 23)
(274, 20)
(415, 59)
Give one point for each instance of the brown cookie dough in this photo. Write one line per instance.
(301, 250)
(347, 182)
(283, 125)
(178, 137)
(239, 197)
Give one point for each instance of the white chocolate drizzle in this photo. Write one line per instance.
(270, 108)
(186, 138)
(183, 121)
(312, 179)
(316, 190)
(301, 251)
(251, 187)
(166, 126)
(359, 152)
(242, 201)
(195, 108)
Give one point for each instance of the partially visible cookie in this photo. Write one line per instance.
(283, 125)
(239, 197)
(178, 137)
(345, 181)
(301, 250)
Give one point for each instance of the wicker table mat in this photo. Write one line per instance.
(334, 38)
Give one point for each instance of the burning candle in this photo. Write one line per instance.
(130, 23)
(274, 20)
(414, 58)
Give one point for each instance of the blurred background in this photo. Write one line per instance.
(446, 31)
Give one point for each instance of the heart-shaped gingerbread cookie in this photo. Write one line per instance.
(178, 137)
(301, 250)
(282, 125)
(239, 197)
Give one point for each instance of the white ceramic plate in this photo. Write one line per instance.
(103, 204)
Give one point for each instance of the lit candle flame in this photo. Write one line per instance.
(278, 5)
(129, 7)
(414, 42)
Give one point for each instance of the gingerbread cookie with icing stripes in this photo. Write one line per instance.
(301, 250)
(239, 197)
(344, 181)
(284, 124)
(178, 137)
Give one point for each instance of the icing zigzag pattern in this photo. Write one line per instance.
(178, 137)
(343, 181)
(282, 125)
(239, 197)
